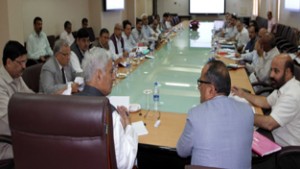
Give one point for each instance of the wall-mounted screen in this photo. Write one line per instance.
(112, 5)
(292, 5)
(207, 6)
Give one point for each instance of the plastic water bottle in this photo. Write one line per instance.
(156, 96)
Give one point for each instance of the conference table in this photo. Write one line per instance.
(176, 67)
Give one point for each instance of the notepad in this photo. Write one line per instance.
(262, 146)
(139, 128)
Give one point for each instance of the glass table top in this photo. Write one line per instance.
(176, 67)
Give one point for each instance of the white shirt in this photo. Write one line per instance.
(112, 49)
(38, 45)
(263, 68)
(126, 143)
(231, 33)
(271, 23)
(67, 37)
(242, 38)
(168, 24)
(8, 86)
(148, 33)
(286, 112)
(138, 36)
(129, 42)
(253, 58)
(74, 61)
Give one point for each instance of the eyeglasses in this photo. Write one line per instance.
(199, 81)
(21, 62)
(65, 54)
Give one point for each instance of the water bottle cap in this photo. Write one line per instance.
(155, 83)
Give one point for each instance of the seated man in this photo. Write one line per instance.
(116, 44)
(130, 44)
(242, 37)
(67, 33)
(84, 23)
(79, 47)
(253, 31)
(37, 44)
(137, 32)
(57, 72)
(254, 56)
(99, 76)
(149, 35)
(14, 62)
(219, 131)
(262, 70)
(284, 120)
(103, 39)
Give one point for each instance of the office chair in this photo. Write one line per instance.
(54, 131)
(31, 76)
(289, 157)
(7, 163)
(198, 167)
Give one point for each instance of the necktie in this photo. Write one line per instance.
(63, 75)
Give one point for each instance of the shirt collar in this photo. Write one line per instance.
(287, 85)
(5, 75)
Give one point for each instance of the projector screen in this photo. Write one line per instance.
(207, 6)
(292, 5)
(111, 5)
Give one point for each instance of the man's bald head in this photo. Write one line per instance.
(262, 32)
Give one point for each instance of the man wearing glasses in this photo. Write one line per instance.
(218, 132)
(14, 62)
(57, 73)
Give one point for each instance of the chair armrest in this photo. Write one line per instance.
(264, 90)
(289, 150)
(260, 84)
(5, 139)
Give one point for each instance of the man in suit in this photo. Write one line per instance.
(219, 131)
(99, 76)
(57, 73)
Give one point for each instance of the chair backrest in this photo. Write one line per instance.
(51, 39)
(91, 33)
(297, 70)
(53, 131)
(288, 158)
(31, 76)
(198, 167)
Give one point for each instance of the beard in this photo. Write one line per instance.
(276, 84)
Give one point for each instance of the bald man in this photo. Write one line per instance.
(284, 120)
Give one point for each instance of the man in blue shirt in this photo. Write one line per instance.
(218, 132)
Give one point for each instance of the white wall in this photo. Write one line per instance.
(54, 13)
(288, 17)
(4, 30)
(181, 7)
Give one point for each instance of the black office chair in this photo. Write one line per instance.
(7, 163)
(289, 158)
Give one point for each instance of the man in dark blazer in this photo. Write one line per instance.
(57, 73)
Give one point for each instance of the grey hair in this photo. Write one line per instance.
(144, 15)
(94, 59)
(58, 45)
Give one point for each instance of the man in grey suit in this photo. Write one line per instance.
(219, 131)
(57, 72)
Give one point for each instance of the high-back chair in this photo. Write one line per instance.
(31, 76)
(51, 131)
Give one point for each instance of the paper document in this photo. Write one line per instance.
(119, 101)
(139, 128)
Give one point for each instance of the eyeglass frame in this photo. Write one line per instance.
(199, 81)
